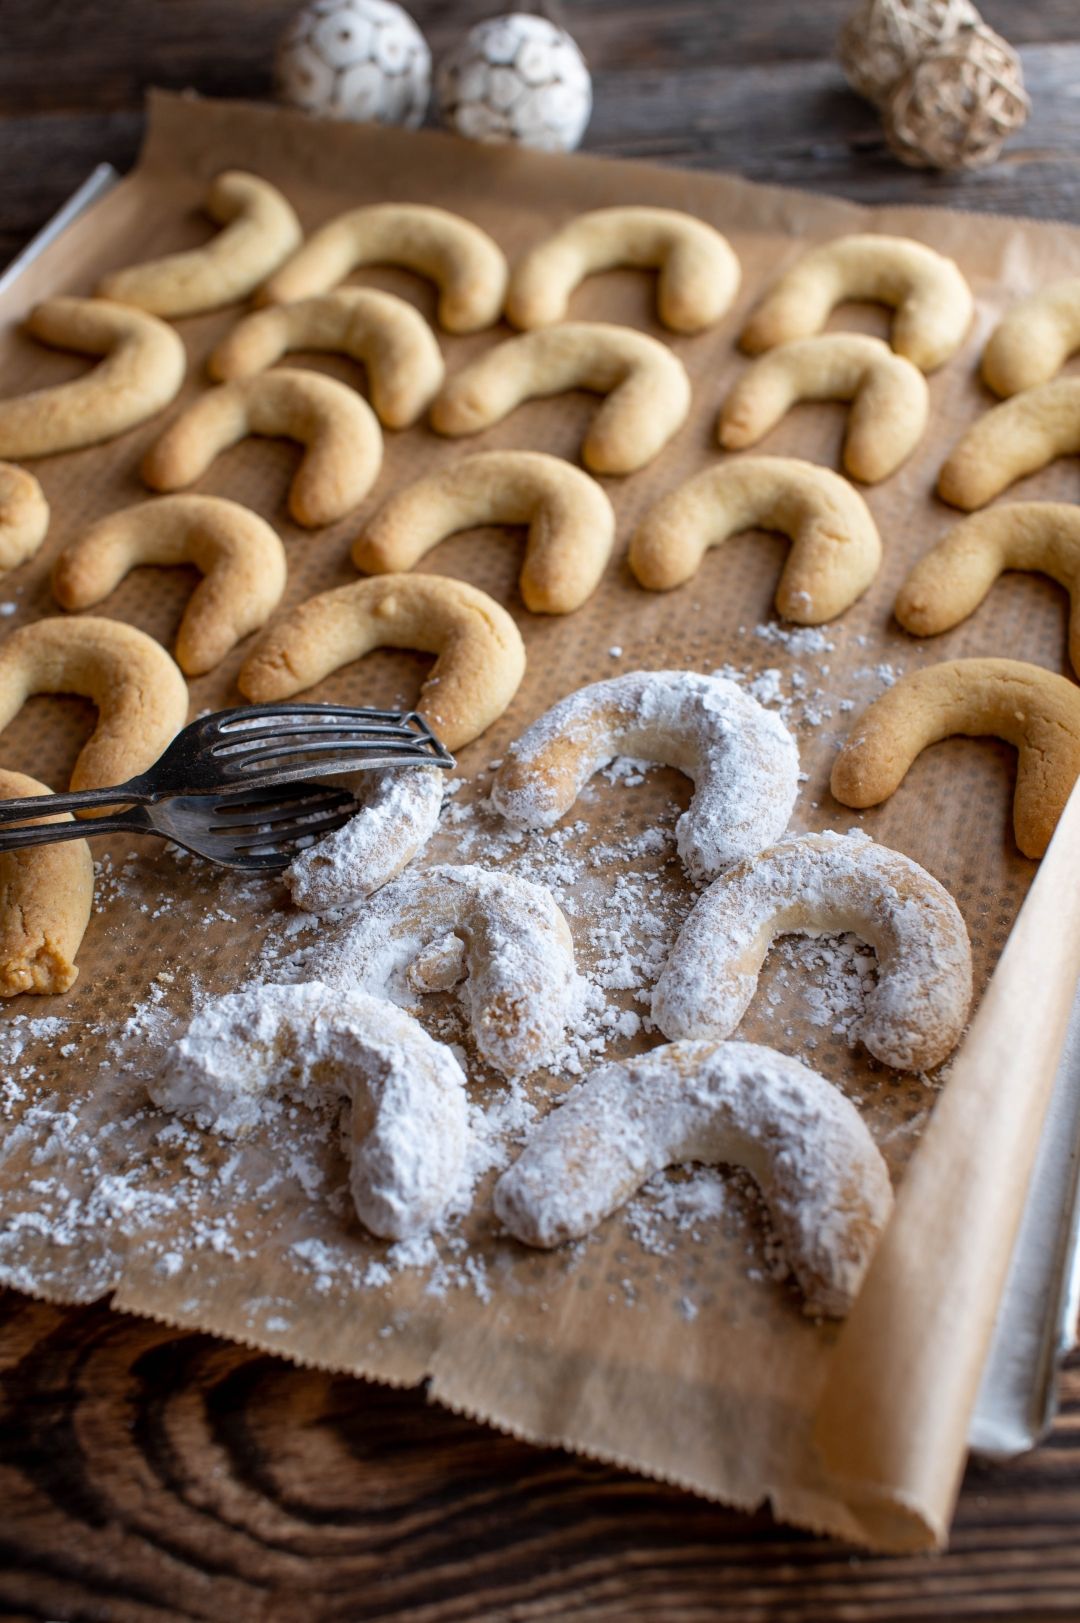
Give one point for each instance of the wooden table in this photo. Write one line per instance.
(146, 1475)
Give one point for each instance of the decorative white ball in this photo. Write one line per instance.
(364, 60)
(516, 78)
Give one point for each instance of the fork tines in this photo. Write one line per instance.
(349, 737)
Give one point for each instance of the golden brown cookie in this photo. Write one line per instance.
(466, 266)
(46, 893)
(259, 231)
(141, 370)
(890, 400)
(571, 522)
(141, 697)
(480, 663)
(1011, 440)
(339, 430)
(932, 300)
(1033, 340)
(699, 273)
(390, 338)
(239, 555)
(836, 548)
(646, 384)
(24, 515)
(1027, 706)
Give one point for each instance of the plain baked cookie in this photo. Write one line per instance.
(818, 884)
(889, 398)
(259, 231)
(647, 389)
(956, 575)
(480, 663)
(141, 369)
(1033, 340)
(932, 300)
(141, 697)
(46, 893)
(699, 273)
(389, 337)
(1011, 440)
(571, 522)
(336, 426)
(409, 1130)
(468, 268)
(24, 516)
(1027, 706)
(836, 549)
(742, 760)
(240, 557)
(804, 1144)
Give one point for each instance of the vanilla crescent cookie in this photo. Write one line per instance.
(1033, 340)
(240, 557)
(742, 760)
(46, 893)
(1016, 438)
(805, 1145)
(647, 389)
(468, 268)
(141, 369)
(503, 939)
(388, 336)
(141, 697)
(481, 657)
(1027, 706)
(338, 429)
(400, 813)
(571, 522)
(836, 549)
(816, 884)
(933, 302)
(24, 516)
(890, 400)
(699, 273)
(259, 231)
(955, 576)
(409, 1113)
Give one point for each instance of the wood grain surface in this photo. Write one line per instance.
(149, 1475)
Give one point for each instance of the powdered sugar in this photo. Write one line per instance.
(401, 810)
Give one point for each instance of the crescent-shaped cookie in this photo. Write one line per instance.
(337, 428)
(46, 893)
(259, 231)
(742, 760)
(836, 549)
(387, 335)
(1027, 706)
(141, 697)
(24, 516)
(1033, 340)
(240, 557)
(932, 300)
(399, 814)
(889, 398)
(463, 262)
(1011, 440)
(480, 663)
(571, 522)
(501, 938)
(954, 577)
(699, 273)
(647, 389)
(141, 369)
(804, 1144)
(815, 885)
(410, 1127)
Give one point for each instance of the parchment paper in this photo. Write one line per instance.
(691, 1363)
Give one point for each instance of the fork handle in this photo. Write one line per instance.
(134, 821)
(74, 800)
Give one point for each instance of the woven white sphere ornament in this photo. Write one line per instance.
(362, 60)
(516, 78)
(955, 108)
(883, 39)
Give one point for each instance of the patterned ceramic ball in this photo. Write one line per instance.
(364, 60)
(516, 78)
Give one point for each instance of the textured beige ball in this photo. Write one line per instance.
(883, 39)
(361, 60)
(516, 78)
(956, 107)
